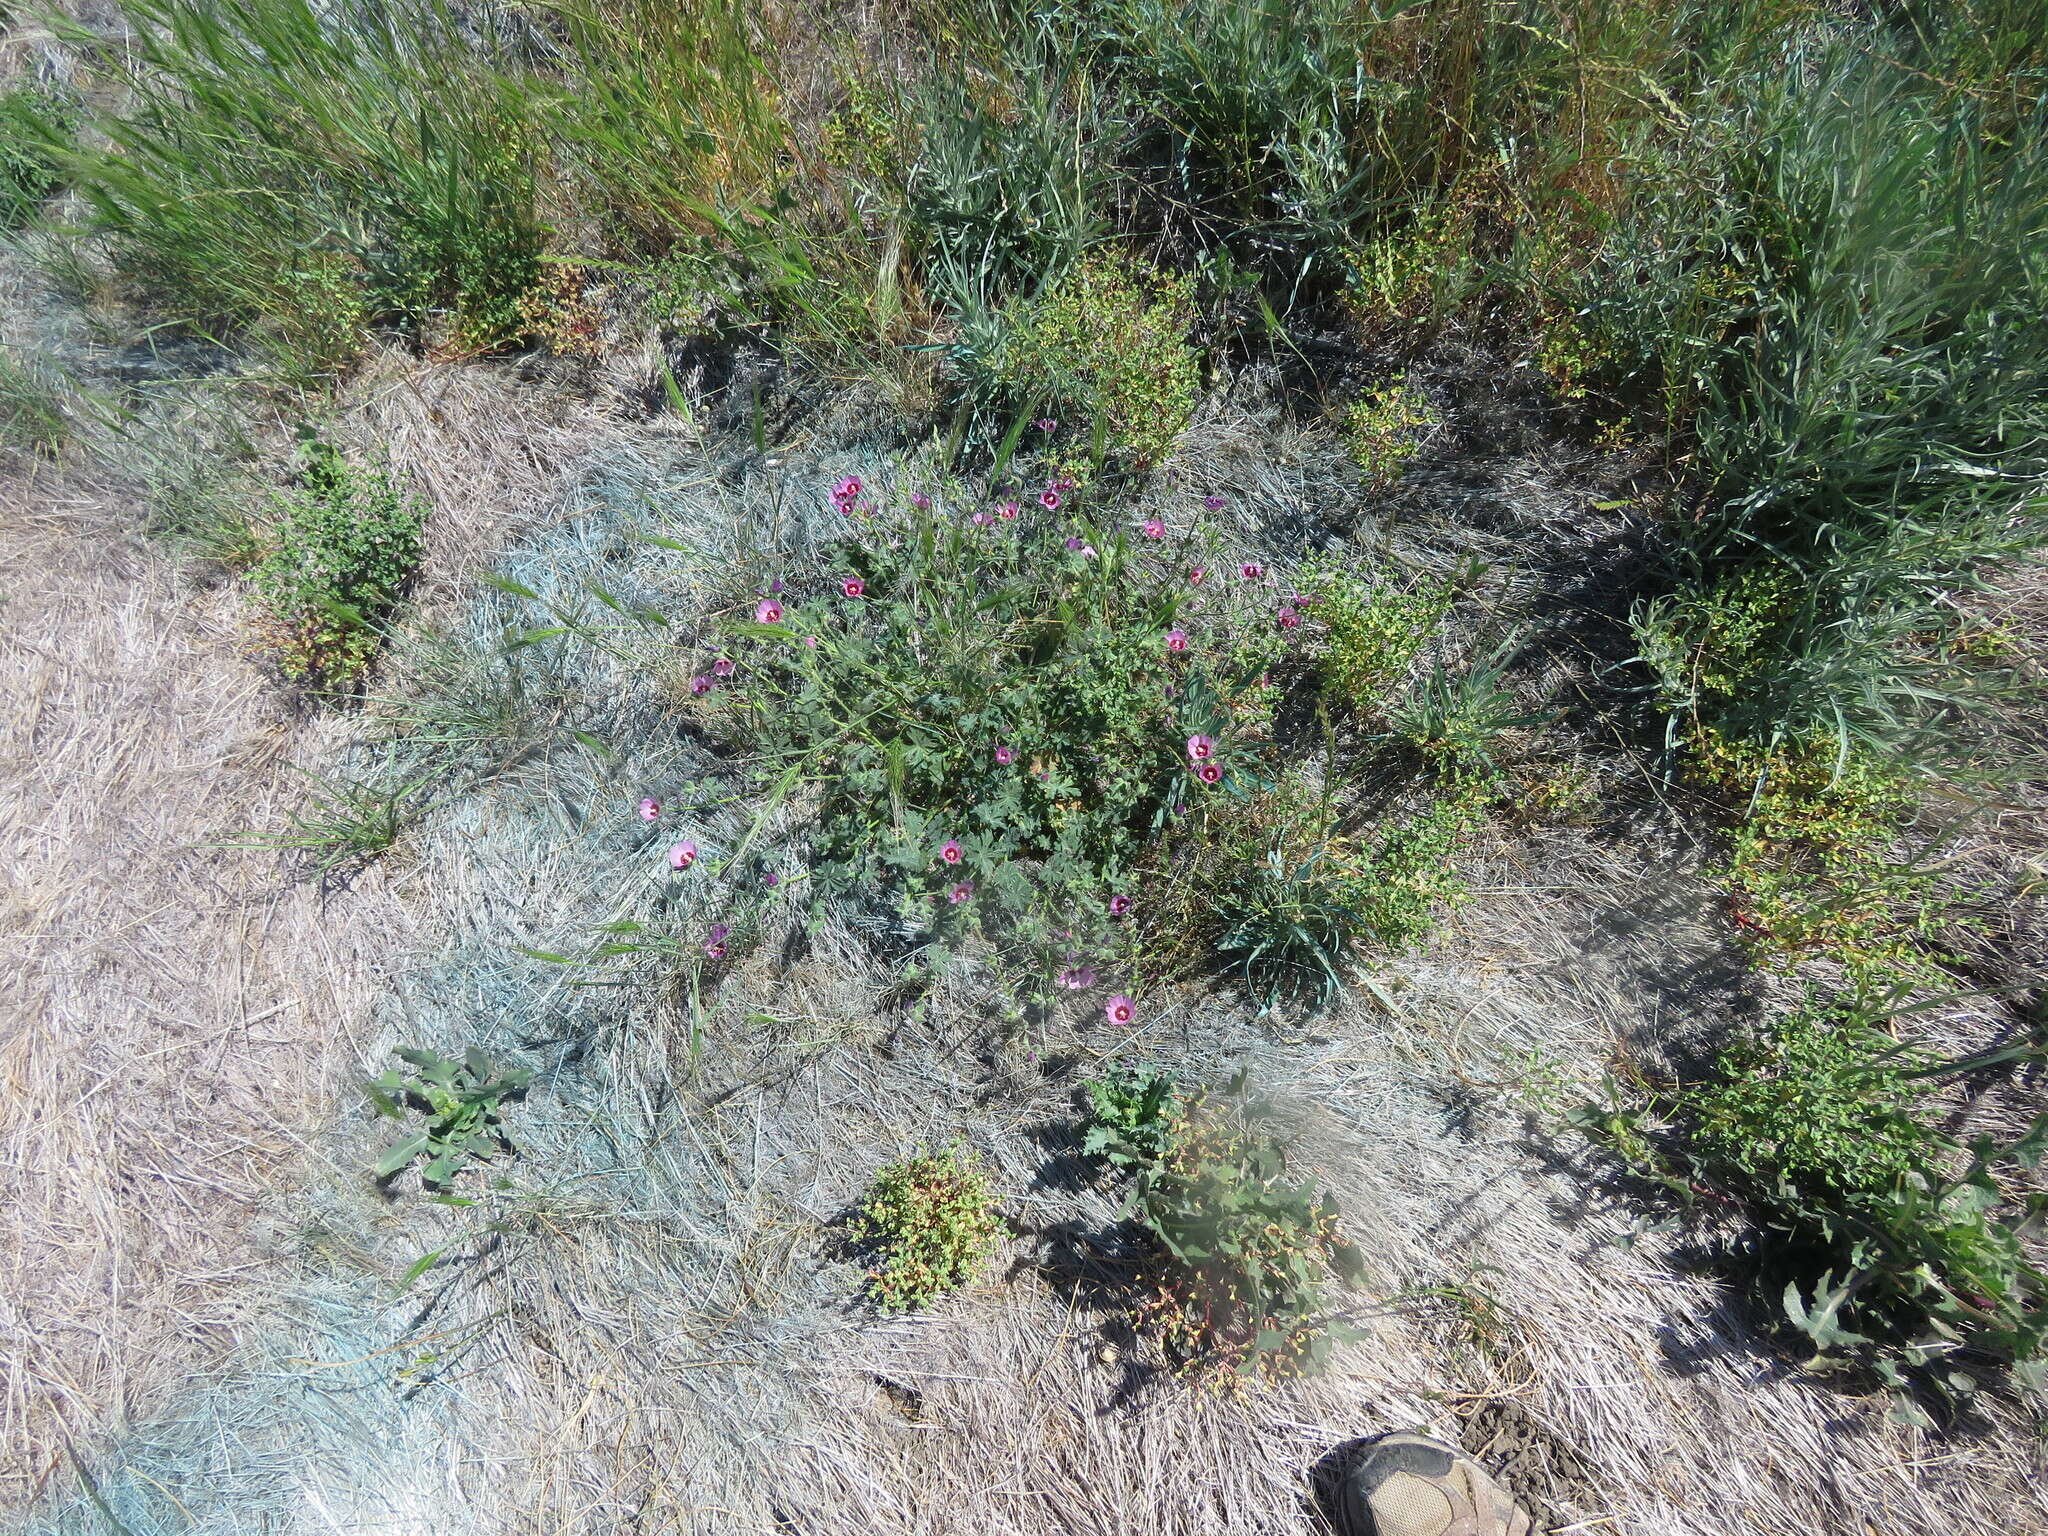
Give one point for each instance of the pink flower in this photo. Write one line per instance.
(1076, 543)
(1006, 756)
(1176, 639)
(810, 642)
(1251, 570)
(1047, 424)
(982, 520)
(682, 855)
(1119, 905)
(922, 502)
(768, 611)
(1118, 1010)
(650, 809)
(715, 945)
(722, 667)
(1209, 773)
(1077, 978)
(701, 685)
(1289, 619)
(1200, 748)
(1152, 528)
(960, 892)
(1007, 511)
(848, 490)
(770, 879)
(952, 852)
(1049, 499)
(1195, 576)
(853, 586)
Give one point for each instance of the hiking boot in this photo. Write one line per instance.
(1411, 1485)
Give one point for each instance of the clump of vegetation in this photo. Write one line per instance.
(1246, 1251)
(461, 1100)
(1107, 345)
(1889, 1244)
(934, 1219)
(347, 542)
(343, 823)
(1456, 720)
(1384, 427)
(1374, 630)
(36, 127)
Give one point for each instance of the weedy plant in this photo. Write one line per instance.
(346, 822)
(461, 1100)
(933, 1218)
(1456, 720)
(1374, 630)
(1384, 427)
(36, 127)
(1246, 1252)
(1888, 1245)
(346, 544)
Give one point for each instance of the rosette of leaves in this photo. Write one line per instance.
(461, 1100)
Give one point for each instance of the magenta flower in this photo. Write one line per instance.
(770, 879)
(1006, 756)
(650, 809)
(922, 502)
(682, 855)
(1289, 619)
(1007, 511)
(952, 852)
(1047, 424)
(701, 685)
(848, 489)
(715, 945)
(1213, 502)
(1152, 528)
(1176, 639)
(1201, 748)
(1119, 905)
(1049, 499)
(768, 611)
(1118, 1010)
(1077, 978)
(960, 892)
(1209, 773)
(1195, 576)
(1076, 543)
(810, 642)
(775, 587)
(853, 586)
(1251, 570)
(982, 520)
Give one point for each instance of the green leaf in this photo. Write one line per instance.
(400, 1155)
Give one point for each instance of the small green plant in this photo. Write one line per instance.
(1456, 720)
(1106, 344)
(345, 822)
(347, 543)
(934, 1221)
(1375, 631)
(1384, 427)
(461, 1100)
(1246, 1251)
(1289, 927)
(1888, 1244)
(35, 126)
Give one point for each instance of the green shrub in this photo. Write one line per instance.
(1455, 720)
(36, 126)
(1106, 345)
(461, 1100)
(1888, 1244)
(1384, 427)
(347, 543)
(1374, 631)
(933, 1217)
(1245, 1251)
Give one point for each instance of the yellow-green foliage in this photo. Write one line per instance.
(1375, 630)
(1384, 427)
(933, 1219)
(1109, 341)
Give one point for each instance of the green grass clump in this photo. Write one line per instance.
(934, 1220)
(1246, 1252)
(36, 127)
(1106, 346)
(1887, 1243)
(347, 542)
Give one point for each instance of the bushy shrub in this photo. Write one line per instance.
(346, 545)
(1374, 631)
(1384, 427)
(1886, 1243)
(1106, 346)
(1245, 1251)
(36, 126)
(934, 1221)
